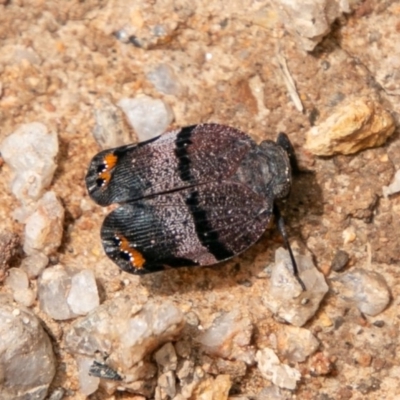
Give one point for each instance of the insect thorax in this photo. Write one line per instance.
(266, 170)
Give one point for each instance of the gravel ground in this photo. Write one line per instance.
(63, 62)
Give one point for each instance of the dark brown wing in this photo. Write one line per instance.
(175, 160)
(201, 225)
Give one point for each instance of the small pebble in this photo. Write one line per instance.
(285, 297)
(367, 289)
(165, 80)
(83, 295)
(320, 364)
(53, 289)
(166, 358)
(25, 297)
(27, 361)
(229, 337)
(88, 384)
(166, 386)
(149, 117)
(44, 228)
(109, 130)
(34, 265)
(356, 124)
(128, 331)
(272, 369)
(30, 151)
(339, 261)
(17, 279)
(295, 343)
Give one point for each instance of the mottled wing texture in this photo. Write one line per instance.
(201, 225)
(175, 160)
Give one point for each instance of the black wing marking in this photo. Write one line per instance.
(201, 225)
(175, 160)
(101, 370)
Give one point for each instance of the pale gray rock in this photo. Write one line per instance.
(285, 297)
(53, 288)
(87, 384)
(127, 330)
(166, 358)
(109, 130)
(66, 294)
(149, 117)
(165, 80)
(83, 295)
(310, 20)
(272, 369)
(367, 289)
(229, 337)
(27, 362)
(17, 279)
(34, 264)
(44, 227)
(296, 344)
(25, 297)
(30, 152)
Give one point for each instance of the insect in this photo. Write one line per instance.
(192, 196)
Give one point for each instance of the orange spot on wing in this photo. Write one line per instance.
(105, 176)
(137, 259)
(110, 160)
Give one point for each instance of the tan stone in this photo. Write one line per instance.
(215, 389)
(356, 125)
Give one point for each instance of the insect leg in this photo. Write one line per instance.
(281, 227)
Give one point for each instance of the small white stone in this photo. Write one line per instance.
(128, 332)
(34, 265)
(53, 289)
(25, 297)
(83, 296)
(110, 130)
(229, 337)
(367, 289)
(279, 374)
(17, 279)
(166, 357)
(88, 384)
(295, 343)
(285, 297)
(30, 152)
(44, 228)
(149, 117)
(310, 20)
